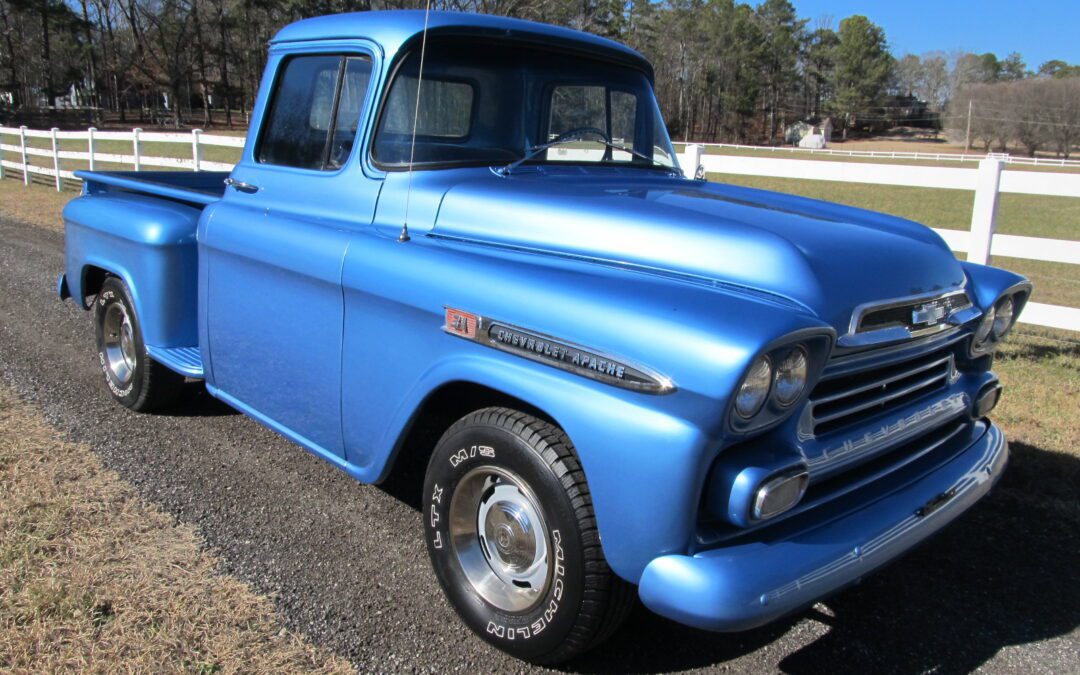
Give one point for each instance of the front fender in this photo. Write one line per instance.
(644, 465)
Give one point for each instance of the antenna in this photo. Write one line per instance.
(404, 236)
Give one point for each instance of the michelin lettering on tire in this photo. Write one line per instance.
(512, 537)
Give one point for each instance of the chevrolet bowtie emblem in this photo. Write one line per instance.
(930, 313)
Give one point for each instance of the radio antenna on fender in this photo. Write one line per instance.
(404, 236)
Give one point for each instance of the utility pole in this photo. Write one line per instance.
(967, 136)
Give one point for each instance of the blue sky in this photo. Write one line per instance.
(1039, 29)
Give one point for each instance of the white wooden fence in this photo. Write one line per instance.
(889, 154)
(92, 156)
(987, 181)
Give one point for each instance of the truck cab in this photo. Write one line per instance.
(465, 242)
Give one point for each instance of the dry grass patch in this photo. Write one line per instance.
(92, 579)
(35, 204)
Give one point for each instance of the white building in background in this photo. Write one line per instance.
(807, 135)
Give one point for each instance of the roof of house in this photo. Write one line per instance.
(393, 30)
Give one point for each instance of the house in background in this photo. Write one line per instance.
(810, 135)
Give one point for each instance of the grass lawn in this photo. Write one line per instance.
(93, 579)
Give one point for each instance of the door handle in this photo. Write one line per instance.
(241, 186)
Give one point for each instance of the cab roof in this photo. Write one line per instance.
(394, 30)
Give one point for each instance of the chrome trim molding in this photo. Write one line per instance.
(562, 354)
(856, 338)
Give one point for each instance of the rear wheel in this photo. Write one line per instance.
(134, 379)
(513, 540)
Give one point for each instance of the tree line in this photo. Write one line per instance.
(726, 70)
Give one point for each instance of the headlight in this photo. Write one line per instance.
(754, 389)
(1003, 317)
(791, 377)
(985, 326)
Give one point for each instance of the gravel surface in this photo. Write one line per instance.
(998, 591)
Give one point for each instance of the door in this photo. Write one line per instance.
(275, 247)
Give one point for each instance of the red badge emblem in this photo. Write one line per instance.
(461, 323)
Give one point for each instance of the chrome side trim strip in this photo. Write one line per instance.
(551, 351)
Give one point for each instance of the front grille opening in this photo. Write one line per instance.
(850, 399)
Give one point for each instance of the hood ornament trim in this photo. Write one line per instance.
(908, 317)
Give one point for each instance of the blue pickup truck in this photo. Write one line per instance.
(466, 241)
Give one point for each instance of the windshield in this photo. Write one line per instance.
(492, 104)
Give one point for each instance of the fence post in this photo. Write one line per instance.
(56, 158)
(1, 158)
(196, 149)
(135, 148)
(90, 145)
(25, 157)
(693, 159)
(984, 213)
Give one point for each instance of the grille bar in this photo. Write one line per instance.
(877, 384)
(852, 398)
(883, 399)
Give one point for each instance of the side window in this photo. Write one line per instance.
(313, 115)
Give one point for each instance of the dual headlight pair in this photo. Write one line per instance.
(783, 383)
(994, 326)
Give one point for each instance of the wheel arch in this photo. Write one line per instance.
(91, 279)
(444, 405)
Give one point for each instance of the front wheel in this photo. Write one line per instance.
(512, 537)
(134, 379)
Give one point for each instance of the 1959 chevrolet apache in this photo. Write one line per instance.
(466, 240)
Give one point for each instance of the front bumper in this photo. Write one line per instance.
(746, 585)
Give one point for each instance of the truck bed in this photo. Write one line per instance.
(193, 187)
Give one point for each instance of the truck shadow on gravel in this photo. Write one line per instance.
(1004, 574)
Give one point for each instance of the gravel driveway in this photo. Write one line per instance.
(998, 591)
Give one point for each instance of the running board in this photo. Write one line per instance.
(184, 360)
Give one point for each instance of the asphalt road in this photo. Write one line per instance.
(999, 590)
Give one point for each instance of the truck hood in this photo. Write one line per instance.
(826, 257)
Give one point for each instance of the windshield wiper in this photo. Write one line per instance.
(536, 150)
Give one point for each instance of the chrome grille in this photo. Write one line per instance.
(852, 398)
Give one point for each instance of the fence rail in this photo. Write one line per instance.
(887, 154)
(987, 180)
(196, 139)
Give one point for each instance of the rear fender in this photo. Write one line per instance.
(148, 243)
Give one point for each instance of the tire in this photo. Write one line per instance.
(133, 379)
(512, 537)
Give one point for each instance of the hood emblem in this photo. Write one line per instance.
(928, 314)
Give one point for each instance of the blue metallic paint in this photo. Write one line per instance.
(311, 317)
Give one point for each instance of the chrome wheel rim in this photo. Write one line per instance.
(119, 344)
(500, 538)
